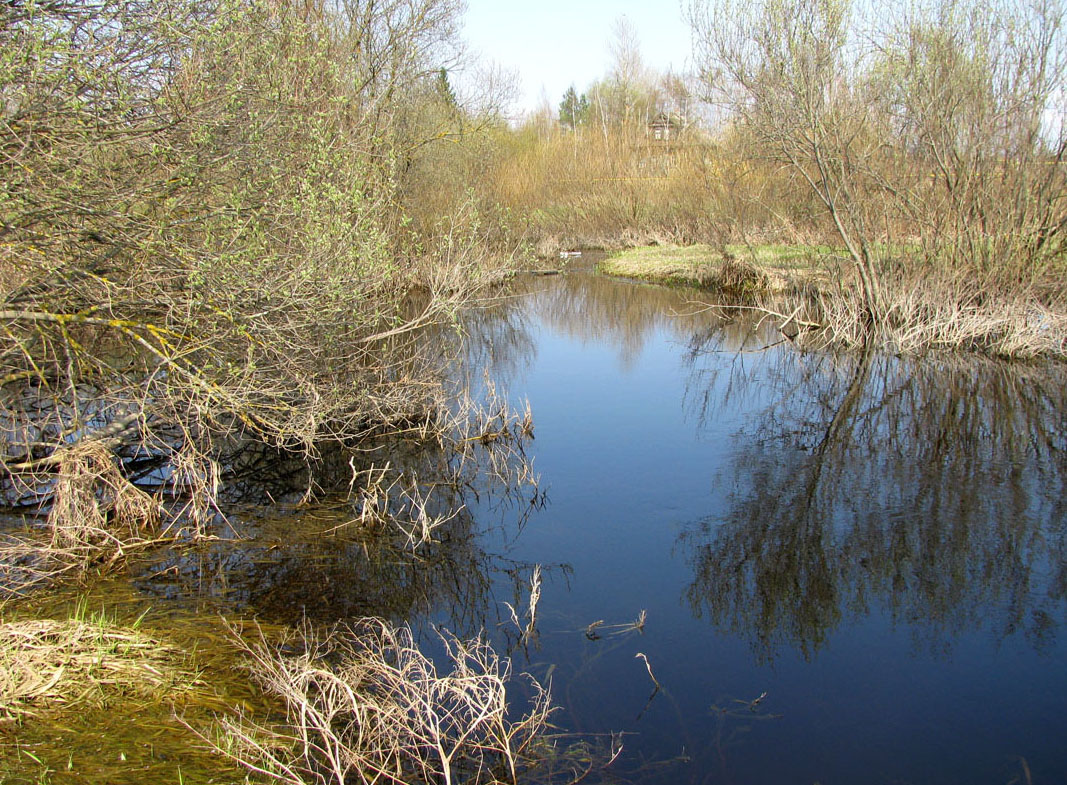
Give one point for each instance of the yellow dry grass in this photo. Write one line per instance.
(53, 663)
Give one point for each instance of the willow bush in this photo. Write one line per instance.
(932, 138)
(202, 235)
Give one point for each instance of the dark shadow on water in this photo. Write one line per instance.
(284, 558)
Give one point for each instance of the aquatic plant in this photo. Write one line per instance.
(47, 663)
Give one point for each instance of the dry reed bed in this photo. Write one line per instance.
(936, 313)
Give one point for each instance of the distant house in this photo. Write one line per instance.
(664, 127)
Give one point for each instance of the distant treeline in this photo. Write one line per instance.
(927, 144)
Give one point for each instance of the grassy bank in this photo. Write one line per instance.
(734, 269)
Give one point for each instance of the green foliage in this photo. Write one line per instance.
(573, 109)
(444, 89)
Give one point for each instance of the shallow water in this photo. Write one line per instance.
(853, 568)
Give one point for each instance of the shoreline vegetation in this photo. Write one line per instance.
(734, 270)
(927, 146)
(805, 290)
(194, 699)
(236, 240)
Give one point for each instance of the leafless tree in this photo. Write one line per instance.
(932, 137)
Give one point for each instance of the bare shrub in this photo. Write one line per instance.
(739, 277)
(932, 139)
(365, 705)
(204, 241)
(925, 311)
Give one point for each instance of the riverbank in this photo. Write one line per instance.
(923, 307)
(733, 269)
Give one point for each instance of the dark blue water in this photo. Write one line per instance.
(853, 567)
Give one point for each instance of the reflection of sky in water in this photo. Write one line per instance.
(879, 548)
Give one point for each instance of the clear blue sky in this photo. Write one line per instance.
(552, 43)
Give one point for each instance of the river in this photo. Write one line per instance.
(853, 568)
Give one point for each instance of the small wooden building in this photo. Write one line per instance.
(664, 127)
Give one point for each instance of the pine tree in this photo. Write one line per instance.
(573, 109)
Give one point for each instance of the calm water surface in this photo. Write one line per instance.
(853, 568)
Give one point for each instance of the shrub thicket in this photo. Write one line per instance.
(203, 230)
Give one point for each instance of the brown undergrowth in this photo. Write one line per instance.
(924, 312)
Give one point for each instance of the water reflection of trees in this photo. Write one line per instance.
(325, 574)
(330, 558)
(337, 535)
(931, 488)
(497, 337)
(592, 308)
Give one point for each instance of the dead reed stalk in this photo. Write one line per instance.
(95, 508)
(528, 631)
(945, 312)
(97, 518)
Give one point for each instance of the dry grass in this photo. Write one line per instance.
(931, 311)
(738, 277)
(479, 444)
(95, 510)
(46, 663)
(489, 435)
(943, 313)
(97, 519)
(365, 705)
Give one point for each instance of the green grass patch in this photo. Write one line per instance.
(738, 269)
